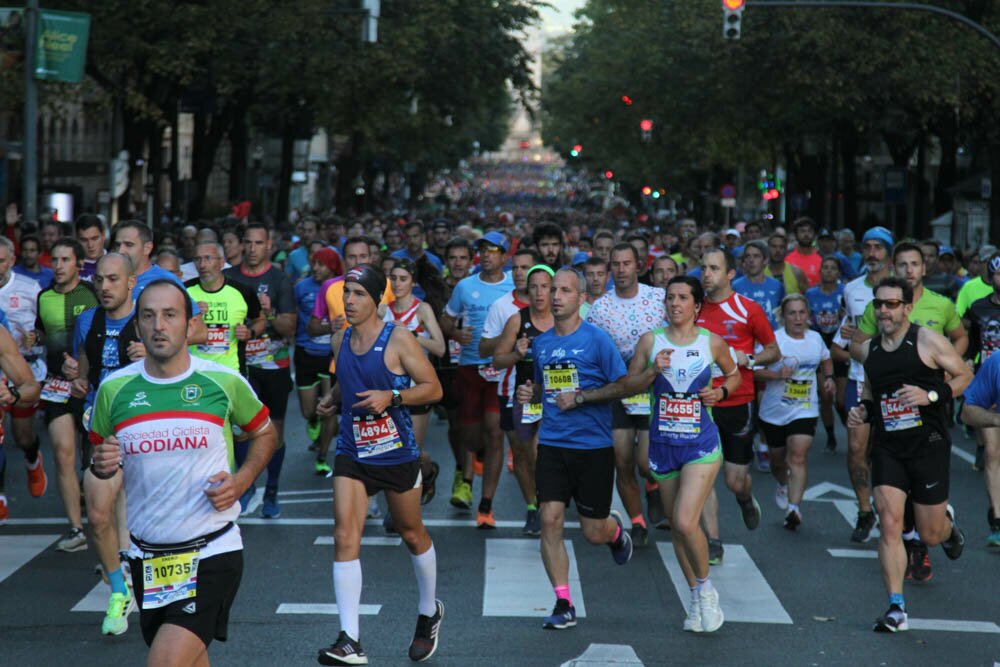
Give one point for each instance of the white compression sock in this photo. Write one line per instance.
(425, 568)
(347, 590)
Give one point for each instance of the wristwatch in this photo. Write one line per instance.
(578, 399)
(932, 396)
(750, 362)
(14, 392)
(397, 398)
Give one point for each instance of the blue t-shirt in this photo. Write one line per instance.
(109, 361)
(984, 392)
(297, 264)
(470, 301)
(825, 308)
(305, 298)
(155, 272)
(403, 253)
(767, 294)
(585, 359)
(43, 275)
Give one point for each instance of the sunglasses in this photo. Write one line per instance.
(891, 304)
(491, 248)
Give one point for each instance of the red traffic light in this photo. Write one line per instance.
(578, 148)
(733, 5)
(646, 125)
(609, 174)
(627, 100)
(647, 190)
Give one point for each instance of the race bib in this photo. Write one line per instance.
(169, 578)
(375, 434)
(532, 413)
(798, 392)
(218, 339)
(986, 352)
(259, 351)
(679, 413)
(637, 405)
(897, 417)
(454, 350)
(489, 373)
(559, 378)
(56, 390)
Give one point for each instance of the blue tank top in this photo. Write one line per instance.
(373, 439)
(679, 418)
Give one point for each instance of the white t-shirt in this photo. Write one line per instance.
(500, 311)
(857, 295)
(796, 397)
(19, 301)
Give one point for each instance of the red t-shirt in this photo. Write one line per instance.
(741, 323)
(810, 264)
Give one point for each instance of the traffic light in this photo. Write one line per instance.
(609, 174)
(646, 190)
(627, 100)
(577, 149)
(646, 127)
(732, 18)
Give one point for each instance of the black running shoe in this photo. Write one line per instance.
(751, 512)
(640, 536)
(532, 524)
(920, 562)
(345, 651)
(792, 520)
(955, 543)
(863, 527)
(388, 524)
(621, 550)
(425, 639)
(831, 443)
(715, 552)
(893, 621)
(430, 484)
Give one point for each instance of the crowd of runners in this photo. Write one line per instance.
(637, 355)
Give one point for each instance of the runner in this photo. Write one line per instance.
(791, 277)
(595, 271)
(911, 452)
(743, 325)
(876, 244)
(684, 452)
(625, 314)
(382, 369)
(984, 315)
(789, 405)
(664, 269)
(805, 256)
(826, 303)
(185, 553)
(513, 350)
(480, 411)
(267, 355)
(90, 234)
(58, 309)
(27, 262)
(20, 389)
(577, 371)
(766, 291)
(549, 241)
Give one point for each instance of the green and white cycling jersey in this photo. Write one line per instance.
(175, 434)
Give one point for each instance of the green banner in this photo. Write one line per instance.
(62, 45)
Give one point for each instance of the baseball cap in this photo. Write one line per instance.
(732, 231)
(580, 258)
(825, 234)
(494, 238)
(880, 234)
(441, 223)
(946, 250)
(986, 252)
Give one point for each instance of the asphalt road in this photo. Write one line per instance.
(805, 598)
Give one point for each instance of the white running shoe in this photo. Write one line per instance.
(711, 612)
(781, 496)
(693, 621)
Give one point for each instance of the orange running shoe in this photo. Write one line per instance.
(477, 466)
(510, 460)
(37, 481)
(485, 521)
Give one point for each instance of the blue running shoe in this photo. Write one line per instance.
(563, 616)
(621, 550)
(246, 498)
(270, 509)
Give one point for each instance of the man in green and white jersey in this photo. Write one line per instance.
(165, 420)
(231, 309)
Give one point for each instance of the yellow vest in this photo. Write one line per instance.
(787, 277)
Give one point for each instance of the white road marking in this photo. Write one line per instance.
(849, 510)
(817, 491)
(601, 655)
(516, 584)
(305, 493)
(19, 549)
(327, 540)
(744, 594)
(323, 608)
(259, 521)
(255, 502)
(964, 455)
(303, 501)
(853, 553)
(947, 625)
(97, 599)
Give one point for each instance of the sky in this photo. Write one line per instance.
(559, 18)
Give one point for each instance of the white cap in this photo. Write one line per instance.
(732, 231)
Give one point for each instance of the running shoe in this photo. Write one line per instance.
(711, 612)
(640, 536)
(993, 539)
(389, 525)
(246, 499)
(477, 466)
(37, 480)
(485, 521)
(692, 622)
(621, 550)
(119, 607)
(563, 616)
(510, 460)
(893, 621)
(323, 468)
(74, 540)
(781, 496)
(430, 484)
(425, 639)
(313, 429)
(461, 495)
(374, 511)
(4, 511)
(345, 651)
(863, 527)
(831, 444)
(654, 507)
(919, 560)
(715, 552)
(762, 458)
(955, 543)
(750, 509)
(532, 524)
(270, 509)
(793, 520)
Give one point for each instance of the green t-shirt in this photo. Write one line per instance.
(229, 306)
(932, 311)
(57, 313)
(972, 291)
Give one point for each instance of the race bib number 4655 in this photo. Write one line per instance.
(678, 413)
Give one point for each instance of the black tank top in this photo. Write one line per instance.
(524, 369)
(904, 430)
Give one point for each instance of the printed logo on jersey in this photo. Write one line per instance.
(139, 400)
(15, 302)
(190, 393)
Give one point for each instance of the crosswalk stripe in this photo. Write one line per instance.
(19, 549)
(327, 540)
(323, 608)
(516, 584)
(606, 654)
(744, 594)
(852, 553)
(96, 599)
(964, 455)
(947, 625)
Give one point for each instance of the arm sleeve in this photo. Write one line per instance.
(982, 393)
(867, 323)
(953, 321)
(100, 420)
(81, 330)
(250, 297)
(245, 408)
(285, 302)
(454, 306)
(611, 360)
(494, 324)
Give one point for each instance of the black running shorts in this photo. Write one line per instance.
(207, 614)
(736, 429)
(623, 420)
(777, 436)
(587, 476)
(310, 369)
(398, 478)
(272, 387)
(924, 476)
